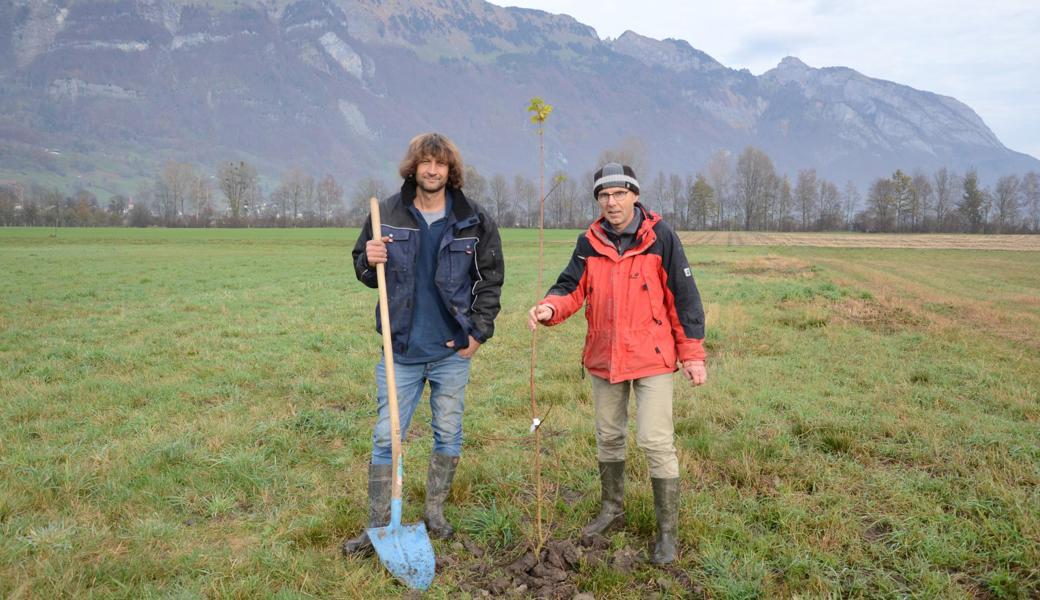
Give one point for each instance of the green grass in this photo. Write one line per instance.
(187, 413)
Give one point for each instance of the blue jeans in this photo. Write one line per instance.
(448, 378)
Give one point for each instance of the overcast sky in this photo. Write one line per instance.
(985, 54)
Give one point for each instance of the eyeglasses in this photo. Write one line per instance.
(617, 196)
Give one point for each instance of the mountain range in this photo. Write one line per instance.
(103, 92)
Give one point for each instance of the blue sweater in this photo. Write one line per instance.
(432, 324)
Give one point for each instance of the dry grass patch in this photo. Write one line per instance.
(1025, 300)
(906, 289)
(775, 266)
(1018, 326)
(885, 317)
(1030, 243)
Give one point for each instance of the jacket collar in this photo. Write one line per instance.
(463, 214)
(645, 236)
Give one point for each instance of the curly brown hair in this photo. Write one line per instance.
(433, 145)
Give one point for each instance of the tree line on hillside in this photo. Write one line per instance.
(743, 192)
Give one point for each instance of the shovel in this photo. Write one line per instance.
(404, 549)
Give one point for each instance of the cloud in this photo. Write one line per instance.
(833, 7)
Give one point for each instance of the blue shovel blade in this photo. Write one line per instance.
(406, 552)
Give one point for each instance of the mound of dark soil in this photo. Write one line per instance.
(553, 574)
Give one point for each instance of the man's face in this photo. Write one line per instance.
(617, 205)
(431, 174)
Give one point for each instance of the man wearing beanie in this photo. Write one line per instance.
(645, 321)
(444, 272)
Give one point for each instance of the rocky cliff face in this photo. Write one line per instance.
(674, 55)
(105, 90)
(838, 117)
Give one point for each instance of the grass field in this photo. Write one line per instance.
(187, 414)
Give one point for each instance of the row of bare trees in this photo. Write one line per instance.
(183, 196)
(746, 193)
(948, 202)
(743, 192)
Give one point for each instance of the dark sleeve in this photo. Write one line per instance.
(686, 298)
(490, 273)
(365, 273)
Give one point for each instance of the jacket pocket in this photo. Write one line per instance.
(655, 299)
(461, 254)
(661, 323)
(400, 252)
(643, 350)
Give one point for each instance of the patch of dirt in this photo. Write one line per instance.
(681, 579)
(552, 575)
(570, 495)
(877, 531)
(555, 574)
(624, 560)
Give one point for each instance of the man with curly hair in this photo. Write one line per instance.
(444, 273)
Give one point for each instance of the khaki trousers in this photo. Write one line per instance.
(655, 433)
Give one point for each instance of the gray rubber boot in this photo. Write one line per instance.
(438, 486)
(612, 488)
(380, 485)
(666, 505)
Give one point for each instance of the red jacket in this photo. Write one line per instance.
(643, 308)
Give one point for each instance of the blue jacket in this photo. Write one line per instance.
(470, 269)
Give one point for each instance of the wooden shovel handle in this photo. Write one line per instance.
(388, 358)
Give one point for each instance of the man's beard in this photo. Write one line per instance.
(438, 186)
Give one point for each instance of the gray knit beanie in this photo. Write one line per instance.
(613, 175)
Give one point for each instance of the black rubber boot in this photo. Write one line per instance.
(611, 514)
(438, 486)
(380, 485)
(666, 505)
